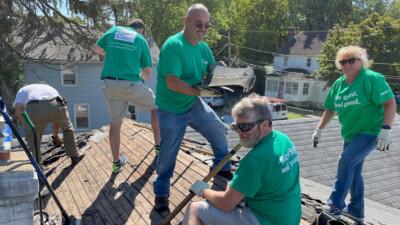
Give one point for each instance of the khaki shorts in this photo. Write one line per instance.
(209, 215)
(119, 93)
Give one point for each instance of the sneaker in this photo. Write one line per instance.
(355, 218)
(332, 210)
(161, 203)
(157, 150)
(57, 141)
(117, 167)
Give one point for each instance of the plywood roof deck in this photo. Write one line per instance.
(94, 195)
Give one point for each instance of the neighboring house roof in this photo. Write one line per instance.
(381, 170)
(292, 76)
(38, 45)
(297, 70)
(305, 43)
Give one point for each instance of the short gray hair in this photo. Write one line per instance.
(253, 103)
(196, 7)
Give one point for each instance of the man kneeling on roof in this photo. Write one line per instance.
(265, 188)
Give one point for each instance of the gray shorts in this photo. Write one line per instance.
(241, 215)
(119, 93)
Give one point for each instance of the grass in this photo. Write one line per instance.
(292, 116)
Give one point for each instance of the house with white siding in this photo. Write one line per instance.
(75, 72)
(293, 64)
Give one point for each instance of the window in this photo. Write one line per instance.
(295, 88)
(291, 88)
(272, 85)
(285, 61)
(68, 76)
(308, 61)
(81, 112)
(288, 88)
(305, 88)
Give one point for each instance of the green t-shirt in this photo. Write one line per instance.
(269, 177)
(126, 53)
(359, 105)
(186, 61)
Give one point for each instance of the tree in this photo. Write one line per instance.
(37, 17)
(319, 14)
(379, 35)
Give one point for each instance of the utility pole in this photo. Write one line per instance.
(229, 48)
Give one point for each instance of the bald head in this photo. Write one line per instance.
(196, 8)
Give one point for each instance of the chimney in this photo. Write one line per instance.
(291, 33)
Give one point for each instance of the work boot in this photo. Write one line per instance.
(57, 141)
(161, 203)
(76, 159)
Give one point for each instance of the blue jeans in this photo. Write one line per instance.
(349, 174)
(172, 128)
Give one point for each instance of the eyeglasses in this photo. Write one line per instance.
(350, 61)
(244, 127)
(206, 25)
(200, 25)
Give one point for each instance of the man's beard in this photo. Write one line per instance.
(252, 139)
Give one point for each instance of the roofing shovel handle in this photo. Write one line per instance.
(206, 179)
(33, 162)
(32, 127)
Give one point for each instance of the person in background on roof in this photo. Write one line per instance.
(44, 105)
(265, 188)
(184, 60)
(366, 108)
(127, 64)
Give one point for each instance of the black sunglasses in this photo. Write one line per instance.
(350, 61)
(244, 127)
(200, 25)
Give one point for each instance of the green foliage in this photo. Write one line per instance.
(319, 14)
(379, 35)
(394, 10)
(11, 69)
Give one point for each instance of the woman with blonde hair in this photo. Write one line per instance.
(366, 108)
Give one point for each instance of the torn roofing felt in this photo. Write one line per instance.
(225, 76)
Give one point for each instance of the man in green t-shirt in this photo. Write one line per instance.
(265, 188)
(184, 60)
(127, 65)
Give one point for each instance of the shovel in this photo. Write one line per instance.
(33, 161)
(206, 179)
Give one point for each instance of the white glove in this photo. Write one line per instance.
(383, 141)
(198, 187)
(316, 137)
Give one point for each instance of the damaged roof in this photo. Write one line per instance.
(94, 195)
